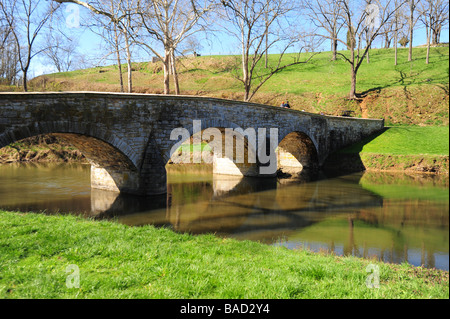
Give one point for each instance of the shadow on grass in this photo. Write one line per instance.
(348, 160)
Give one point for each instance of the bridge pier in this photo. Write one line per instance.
(115, 179)
(226, 166)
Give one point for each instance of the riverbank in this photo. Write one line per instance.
(411, 149)
(42, 148)
(118, 261)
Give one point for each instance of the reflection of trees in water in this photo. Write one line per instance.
(401, 237)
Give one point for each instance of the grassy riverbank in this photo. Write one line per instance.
(42, 148)
(118, 261)
(402, 148)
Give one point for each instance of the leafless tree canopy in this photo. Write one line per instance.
(364, 23)
(260, 26)
(9, 63)
(327, 16)
(26, 20)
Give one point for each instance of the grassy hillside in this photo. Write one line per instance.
(409, 93)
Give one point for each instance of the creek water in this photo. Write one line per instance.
(392, 217)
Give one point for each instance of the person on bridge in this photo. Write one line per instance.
(287, 105)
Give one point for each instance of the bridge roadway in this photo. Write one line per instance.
(129, 138)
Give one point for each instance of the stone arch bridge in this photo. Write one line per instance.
(127, 137)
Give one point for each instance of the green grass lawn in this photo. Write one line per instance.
(327, 77)
(411, 140)
(119, 261)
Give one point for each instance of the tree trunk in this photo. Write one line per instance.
(396, 38)
(352, 94)
(25, 85)
(411, 20)
(116, 43)
(129, 66)
(334, 48)
(436, 35)
(120, 71)
(174, 72)
(266, 34)
(395, 48)
(245, 74)
(266, 55)
(428, 45)
(387, 41)
(166, 64)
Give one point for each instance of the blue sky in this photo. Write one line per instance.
(89, 43)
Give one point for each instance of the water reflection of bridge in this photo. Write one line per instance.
(335, 215)
(245, 208)
(230, 203)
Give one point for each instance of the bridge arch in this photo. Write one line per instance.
(297, 150)
(111, 167)
(237, 149)
(205, 123)
(81, 128)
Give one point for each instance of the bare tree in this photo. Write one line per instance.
(357, 21)
(118, 13)
(9, 62)
(439, 19)
(326, 15)
(60, 51)
(398, 24)
(394, 25)
(26, 19)
(251, 22)
(114, 40)
(390, 30)
(411, 24)
(170, 22)
(433, 14)
(115, 29)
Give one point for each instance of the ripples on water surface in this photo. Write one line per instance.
(394, 217)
